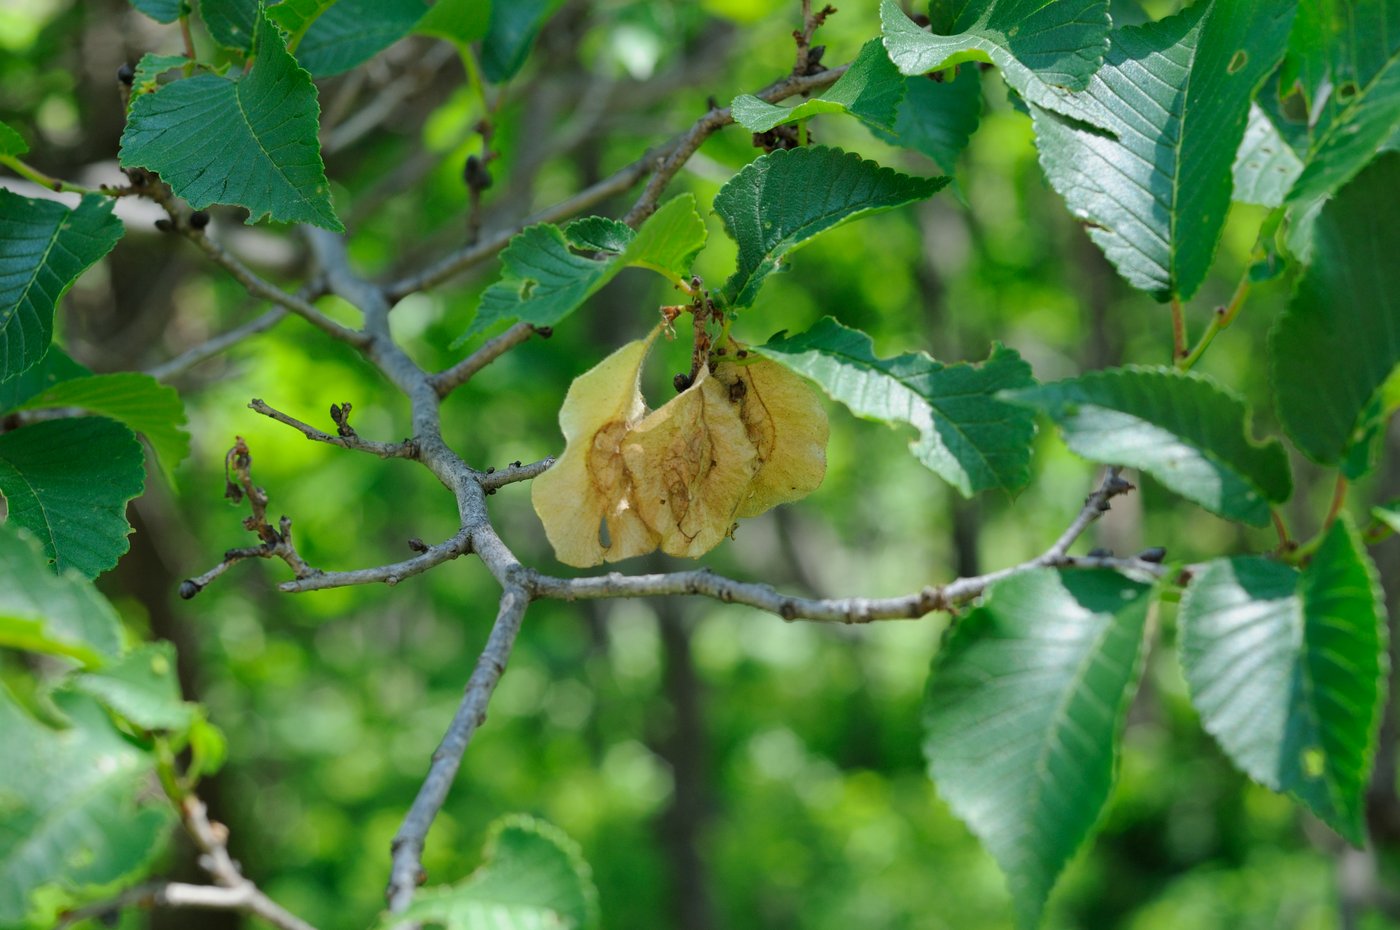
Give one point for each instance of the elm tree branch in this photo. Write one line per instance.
(244, 899)
(385, 450)
(448, 380)
(406, 872)
(514, 472)
(217, 344)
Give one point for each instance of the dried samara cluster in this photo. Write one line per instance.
(745, 437)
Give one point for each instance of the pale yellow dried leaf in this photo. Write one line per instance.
(588, 485)
(786, 421)
(691, 462)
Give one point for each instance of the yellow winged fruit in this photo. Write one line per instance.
(690, 463)
(786, 423)
(583, 498)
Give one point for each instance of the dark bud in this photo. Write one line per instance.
(490, 490)
(1155, 554)
(921, 20)
(476, 174)
(682, 381)
(335, 413)
(721, 350)
(417, 545)
(1099, 552)
(126, 74)
(1118, 485)
(199, 219)
(743, 353)
(138, 177)
(544, 332)
(814, 57)
(233, 492)
(515, 464)
(164, 224)
(189, 588)
(490, 469)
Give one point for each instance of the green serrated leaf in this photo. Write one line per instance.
(55, 366)
(231, 23)
(352, 32)
(152, 66)
(1388, 514)
(44, 247)
(68, 482)
(1023, 714)
(543, 280)
(510, 32)
(1265, 165)
(938, 118)
(1040, 47)
(268, 158)
(1346, 58)
(11, 142)
(534, 877)
(967, 436)
(1287, 671)
(870, 90)
(162, 11)
(1182, 428)
(783, 199)
(76, 804)
(294, 17)
(57, 614)
(1338, 343)
(1174, 96)
(141, 402)
(461, 21)
(142, 687)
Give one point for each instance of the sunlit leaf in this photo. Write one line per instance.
(59, 614)
(1266, 165)
(870, 90)
(352, 32)
(68, 482)
(534, 878)
(44, 247)
(1181, 428)
(1174, 96)
(1287, 671)
(969, 437)
(1023, 714)
(458, 20)
(1038, 46)
(152, 66)
(937, 118)
(268, 158)
(141, 402)
(783, 199)
(162, 11)
(1338, 344)
(546, 274)
(11, 142)
(76, 804)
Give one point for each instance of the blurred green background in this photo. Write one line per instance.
(720, 768)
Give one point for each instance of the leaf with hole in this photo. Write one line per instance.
(967, 435)
(533, 877)
(1336, 348)
(267, 120)
(1024, 712)
(1287, 670)
(544, 277)
(44, 247)
(68, 482)
(782, 200)
(1174, 96)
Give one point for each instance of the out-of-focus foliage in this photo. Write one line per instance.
(786, 756)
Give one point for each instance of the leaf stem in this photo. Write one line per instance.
(1285, 542)
(38, 177)
(1179, 350)
(188, 38)
(1223, 317)
(1339, 499)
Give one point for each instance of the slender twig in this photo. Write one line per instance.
(390, 575)
(1339, 499)
(444, 382)
(1219, 321)
(514, 472)
(385, 450)
(259, 287)
(406, 873)
(244, 899)
(25, 170)
(217, 345)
